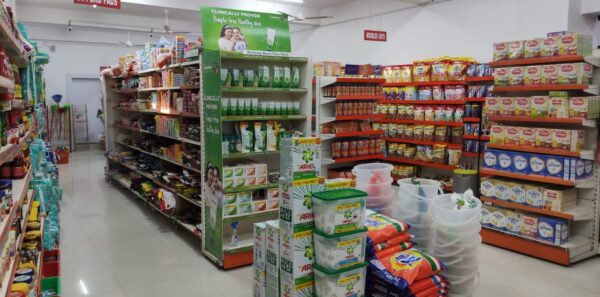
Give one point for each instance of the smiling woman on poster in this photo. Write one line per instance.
(240, 42)
(226, 41)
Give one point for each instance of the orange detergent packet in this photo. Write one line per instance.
(403, 246)
(401, 238)
(429, 286)
(402, 269)
(381, 228)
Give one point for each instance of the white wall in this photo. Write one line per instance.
(458, 27)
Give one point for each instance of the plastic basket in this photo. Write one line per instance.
(51, 284)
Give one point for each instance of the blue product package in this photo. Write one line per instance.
(589, 168)
(558, 166)
(490, 159)
(505, 161)
(351, 69)
(578, 171)
(553, 231)
(520, 162)
(537, 164)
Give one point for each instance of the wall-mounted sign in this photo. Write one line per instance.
(371, 35)
(245, 32)
(116, 4)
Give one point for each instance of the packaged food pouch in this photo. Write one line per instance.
(419, 113)
(406, 73)
(516, 50)
(382, 228)
(422, 72)
(439, 70)
(437, 93)
(457, 70)
(404, 268)
(429, 113)
(418, 132)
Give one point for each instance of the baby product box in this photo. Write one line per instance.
(529, 225)
(486, 215)
(498, 218)
(305, 289)
(560, 199)
(513, 222)
(581, 169)
(533, 48)
(487, 187)
(520, 162)
(534, 196)
(505, 161)
(537, 164)
(490, 159)
(300, 158)
(517, 193)
(497, 134)
(502, 189)
(295, 202)
(272, 259)
(297, 253)
(259, 265)
(553, 231)
(558, 166)
(511, 135)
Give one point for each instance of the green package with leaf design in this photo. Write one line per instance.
(300, 157)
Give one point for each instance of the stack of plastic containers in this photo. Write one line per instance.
(340, 243)
(412, 206)
(376, 180)
(456, 239)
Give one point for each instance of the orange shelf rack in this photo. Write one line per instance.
(358, 158)
(475, 99)
(471, 120)
(424, 102)
(422, 142)
(472, 154)
(359, 97)
(488, 78)
(529, 177)
(543, 87)
(513, 205)
(420, 163)
(424, 83)
(526, 119)
(359, 117)
(360, 80)
(525, 246)
(437, 123)
(536, 150)
(358, 133)
(535, 61)
(477, 137)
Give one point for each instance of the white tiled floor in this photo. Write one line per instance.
(113, 246)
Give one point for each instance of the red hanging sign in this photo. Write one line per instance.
(116, 4)
(371, 35)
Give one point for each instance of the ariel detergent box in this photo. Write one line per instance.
(259, 264)
(295, 201)
(272, 258)
(300, 158)
(297, 255)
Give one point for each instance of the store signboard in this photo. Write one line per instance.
(116, 4)
(245, 32)
(371, 35)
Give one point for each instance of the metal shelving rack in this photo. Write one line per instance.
(116, 133)
(584, 219)
(217, 236)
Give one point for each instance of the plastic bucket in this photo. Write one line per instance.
(380, 189)
(372, 173)
(444, 210)
(427, 188)
(380, 201)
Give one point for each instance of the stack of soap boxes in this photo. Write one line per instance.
(300, 168)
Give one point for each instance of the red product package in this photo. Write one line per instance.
(382, 228)
(406, 267)
(402, 237)
(395, 249)
(421, 286)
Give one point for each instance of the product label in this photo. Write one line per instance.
(505, 161)
(490, 159)
(520, 162)
(347, 217)
(545, 230)
(536, 164)
(553, 166)
(349, 252)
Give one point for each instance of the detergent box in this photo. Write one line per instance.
(300, 158)
(305, 289)
(297, 253)
(259, 265)
(295, 201)
(272, 258)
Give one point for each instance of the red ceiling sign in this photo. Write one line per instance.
(116, 4)
(371, 35)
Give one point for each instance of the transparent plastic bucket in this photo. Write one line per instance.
(380, 201)
(444, 210)
(380, 189)
(372, 173)
(471, 224)
(442, 236)
(427, 188)
(463, 285)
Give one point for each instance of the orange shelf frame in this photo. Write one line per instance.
(536, 150)
(424, 83)
(471, 120)
(420, 163)
(526, 119)
(422, 142)
(424, 102)
(477, 137)
(530, 177)
(359, 97)
(358, 158)
(475, 99)
(360, 80)
(472, 154)
(535, 61)
(480, 78)
(359, 133)
(436, 123)
(375, 117)
(544, 87)
(522, 245)
(509, 204)
(237, 259)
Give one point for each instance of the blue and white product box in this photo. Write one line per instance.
(589, 168)
(521, 162)
(581, 169)
(551, 230)
(537, 164)
(505, 161)
(490, 159)
(558, 166)
(517, 193)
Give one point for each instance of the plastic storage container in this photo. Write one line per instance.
(341, 283)
(339, 211)
(340, 251)
(372, 173)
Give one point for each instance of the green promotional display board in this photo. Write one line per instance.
(245, 32)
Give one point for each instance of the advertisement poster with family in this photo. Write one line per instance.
(245, 32)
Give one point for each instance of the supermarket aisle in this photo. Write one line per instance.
(112, 246)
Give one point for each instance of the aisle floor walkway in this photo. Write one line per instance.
(114, 246)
